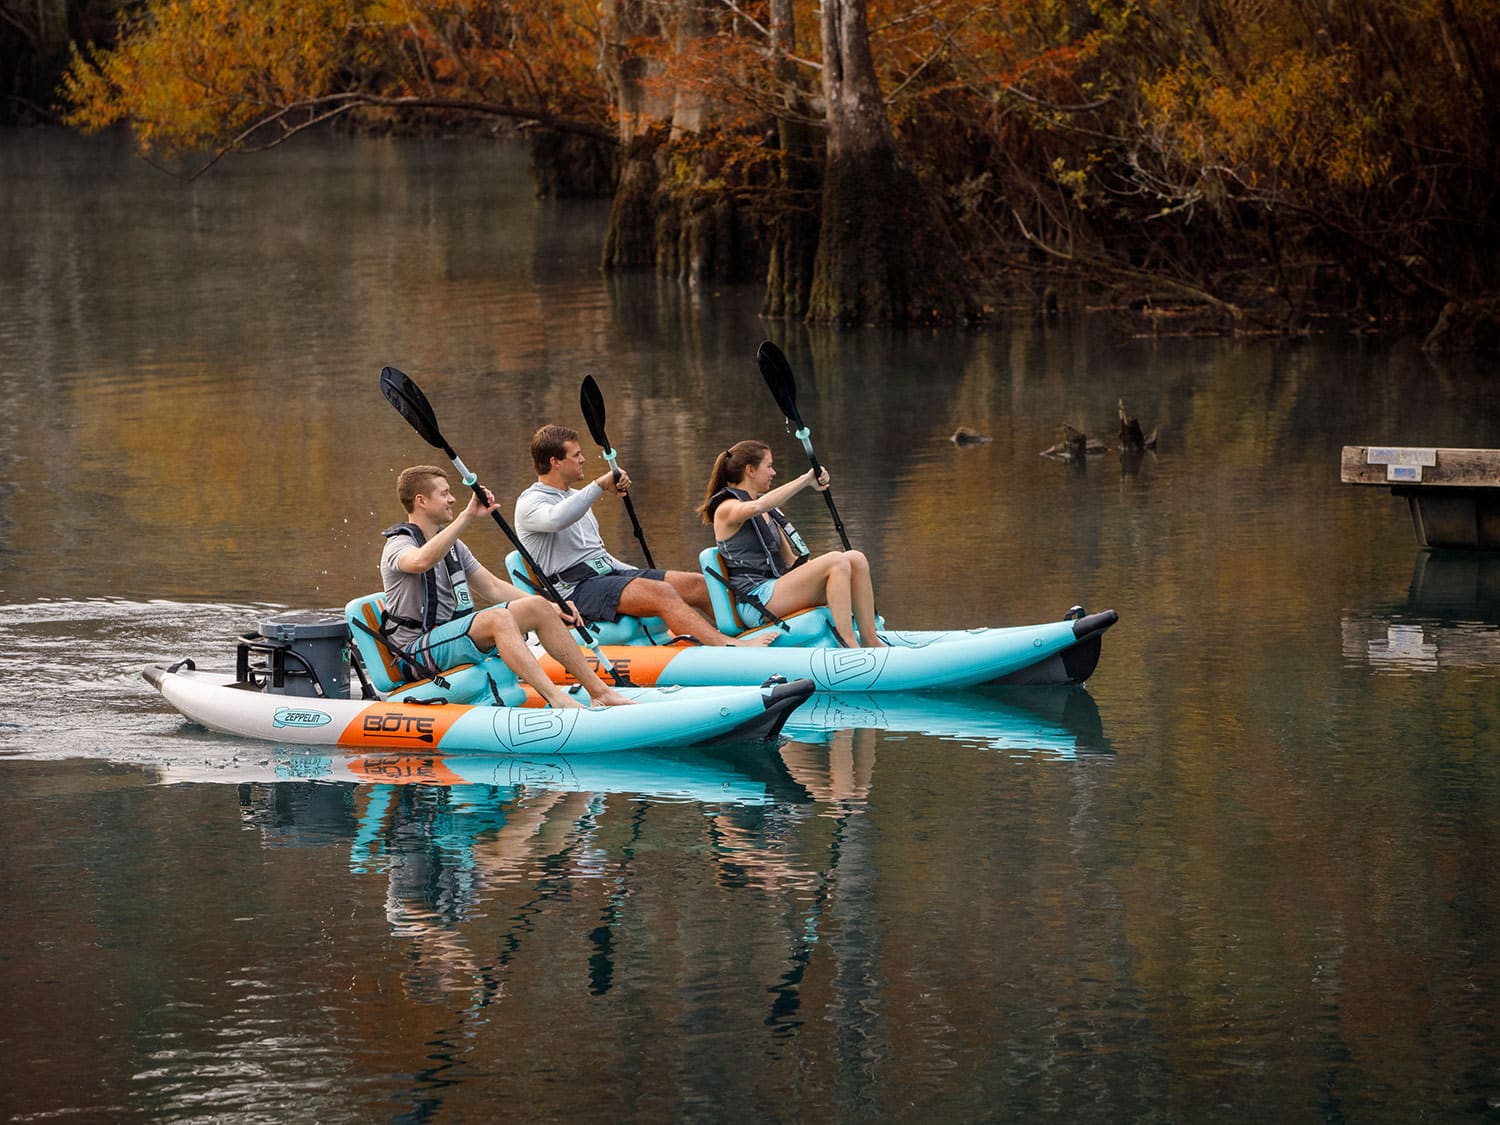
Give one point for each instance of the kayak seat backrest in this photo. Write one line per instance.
(466, 682)
(727, 616)
(734, 617)
(626, 631)
(521, 576)
(361, 615)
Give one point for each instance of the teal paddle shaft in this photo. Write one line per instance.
(777, 373)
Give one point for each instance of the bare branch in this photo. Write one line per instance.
(810, 64)
(1097, 103)
(939, 49)
(323, 109)
(1112, 268)
(919, 12)
(747, 17)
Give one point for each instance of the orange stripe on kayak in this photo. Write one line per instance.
(644, 664)
(401, 725)
(404, 769)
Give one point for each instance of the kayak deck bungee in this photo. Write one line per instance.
(219, 701)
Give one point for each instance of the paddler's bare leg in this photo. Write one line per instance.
(862, 594)
(649, 597)
(497, 628)
(540, 616)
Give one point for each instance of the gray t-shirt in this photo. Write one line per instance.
(403, 592)
(558, 527)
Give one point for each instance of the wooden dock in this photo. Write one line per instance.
(1453, 494)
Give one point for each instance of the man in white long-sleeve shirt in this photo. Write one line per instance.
(556, 523)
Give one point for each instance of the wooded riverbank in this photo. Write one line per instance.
(1220, 168)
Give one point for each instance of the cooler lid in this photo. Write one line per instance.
(304, 625)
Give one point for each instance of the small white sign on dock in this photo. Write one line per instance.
(1400, 455)
(1403, 474)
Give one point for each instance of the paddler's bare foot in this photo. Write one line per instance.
(565, 702)
(758, 640)
(609, 697)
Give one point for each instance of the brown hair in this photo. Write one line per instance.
(549, 442)
(730, 466)
(417, 481)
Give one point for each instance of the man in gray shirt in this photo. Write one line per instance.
(428, 572)
(557, 525)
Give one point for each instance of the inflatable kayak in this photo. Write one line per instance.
(1060, 652)
(219, 702)
(291, 685)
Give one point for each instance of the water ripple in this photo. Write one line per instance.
(71, 676)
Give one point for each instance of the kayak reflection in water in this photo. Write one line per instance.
(770, 568)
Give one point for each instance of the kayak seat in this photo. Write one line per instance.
(467, 683)
(626, 631)
(727, 617)
(733, 617)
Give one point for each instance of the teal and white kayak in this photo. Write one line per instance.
(1057, 652)
(223, 702)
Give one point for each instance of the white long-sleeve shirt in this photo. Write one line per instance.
(558, 527)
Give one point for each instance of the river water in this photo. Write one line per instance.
(1247, 873)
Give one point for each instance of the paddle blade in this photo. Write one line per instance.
(777, 373)
(592, 402)
(412, 405)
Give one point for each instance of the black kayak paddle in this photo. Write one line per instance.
(778, 375)
(591, 400)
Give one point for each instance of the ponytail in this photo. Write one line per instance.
(730, 466)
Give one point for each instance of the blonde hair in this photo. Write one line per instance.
(416, 481)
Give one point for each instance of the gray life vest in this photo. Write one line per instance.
(753, 553)
(463, 601)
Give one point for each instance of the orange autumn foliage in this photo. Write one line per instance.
(1235, 146)
(1295, 116)
(207, 74)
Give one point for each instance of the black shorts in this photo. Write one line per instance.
(598, 598)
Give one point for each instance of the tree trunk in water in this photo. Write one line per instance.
(794, 237)
(884, 255)
(630, 242)
(662, 214)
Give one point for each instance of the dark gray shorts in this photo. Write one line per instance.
(598, 598)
